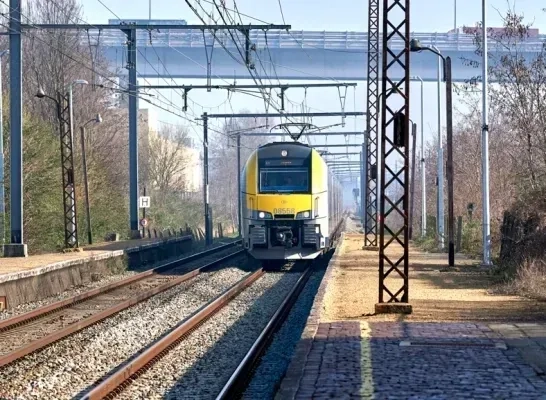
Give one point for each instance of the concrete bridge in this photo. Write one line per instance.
(294, 55)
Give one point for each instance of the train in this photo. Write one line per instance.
(290, 202)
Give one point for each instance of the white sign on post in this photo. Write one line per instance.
(144, 201)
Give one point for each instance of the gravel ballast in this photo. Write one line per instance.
(200, 365)
(71, 365)
(102, 281)
(276, 359)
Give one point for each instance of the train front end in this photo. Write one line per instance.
(285, 202)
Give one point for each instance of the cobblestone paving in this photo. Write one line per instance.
(392, 360)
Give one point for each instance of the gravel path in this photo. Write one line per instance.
(275, 361)
(67, 367)
(199, 366)
(103, 281)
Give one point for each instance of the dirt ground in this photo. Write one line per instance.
(436, 292)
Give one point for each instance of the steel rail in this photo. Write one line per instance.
(116, 382)
(239, 379)
(40, 312)
(93, 319)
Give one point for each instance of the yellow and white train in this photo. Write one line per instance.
(290, 202)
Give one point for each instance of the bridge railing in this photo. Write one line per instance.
(279, 39)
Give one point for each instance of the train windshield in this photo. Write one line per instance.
(284, 180)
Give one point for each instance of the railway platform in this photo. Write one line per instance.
(463, 340)
(36, 277)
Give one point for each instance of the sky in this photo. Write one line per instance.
(316, 15)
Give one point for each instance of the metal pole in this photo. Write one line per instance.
(144, 213)
(133, 132)
(239, 199)
(454, 15)
(208, 240)
(2, 183)
(86, 186)
(71, 197)
(423, 175)
(485, 144)
(16, 128)
(414, 136)
(364, 185)
(440, 155)
(449, 166)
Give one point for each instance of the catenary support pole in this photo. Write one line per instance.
(17, 247)
(86, 186)
(485, 144)
(70, 188)
(133, 131)
(394, 148)
(363, 185)
(449, 165)
(440, 155)
(208, 233)
(422, 158)
(412, 199)
(372, 120)
(2, 175)
(239, 200)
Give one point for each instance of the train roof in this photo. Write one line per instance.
(274, 149)
(284, 144)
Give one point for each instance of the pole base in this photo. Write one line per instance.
(370, 248)
(15, 250)
(393, 308)
(136, 234)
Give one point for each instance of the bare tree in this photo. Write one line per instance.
(168, 159)
(223, 177)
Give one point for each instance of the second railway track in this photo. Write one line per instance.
(25, 333)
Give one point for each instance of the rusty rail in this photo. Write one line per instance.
(116, 382)
(84, 323)
(40, 312)
(239, 379)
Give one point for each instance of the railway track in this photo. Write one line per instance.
(26, 333)
(256, 287)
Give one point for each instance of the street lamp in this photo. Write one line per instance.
(98, 120)
(415, 46)
(423, 174)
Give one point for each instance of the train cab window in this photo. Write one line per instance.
(284, 180)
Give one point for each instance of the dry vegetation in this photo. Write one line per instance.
(517, 162)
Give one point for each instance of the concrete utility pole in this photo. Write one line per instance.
(412, 199)
(208, 233)
(449, 165)
(423, 174)
(485, 144)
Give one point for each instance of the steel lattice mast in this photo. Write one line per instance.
(370, 141)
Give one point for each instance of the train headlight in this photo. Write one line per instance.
(303, 214)
(255, 214)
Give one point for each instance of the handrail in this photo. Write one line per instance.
(279, 39)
